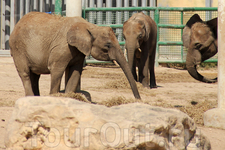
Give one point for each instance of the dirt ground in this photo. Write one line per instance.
(107, 83)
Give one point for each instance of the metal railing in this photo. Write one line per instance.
(170, 23)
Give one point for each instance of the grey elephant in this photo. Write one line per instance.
(200, 37)
(140, 33)
(46, 44)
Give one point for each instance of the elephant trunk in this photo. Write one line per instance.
(191, 64)
(125, 67)
(131, 48)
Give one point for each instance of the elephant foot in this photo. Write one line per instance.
(145, 85)
(153, 86)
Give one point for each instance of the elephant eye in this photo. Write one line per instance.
(108, 45)
(198, 45)
(139, 36)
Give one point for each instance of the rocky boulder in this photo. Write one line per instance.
(64, 123)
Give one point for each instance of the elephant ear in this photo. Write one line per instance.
(213, 26)
(187, 29)
(80, 37)
(195, 18)
(147, 30)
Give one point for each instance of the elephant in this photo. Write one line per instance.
(140, 34)
(42, 43)
(200, 38)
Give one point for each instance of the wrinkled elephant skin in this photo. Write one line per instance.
(46, 44)
(140, 33)
(200, 37)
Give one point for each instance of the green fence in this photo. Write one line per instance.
(170, 23)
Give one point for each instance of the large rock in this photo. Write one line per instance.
(64, 123)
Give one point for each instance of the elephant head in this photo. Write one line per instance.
(135, 31)
(102, 44)
(201, 40)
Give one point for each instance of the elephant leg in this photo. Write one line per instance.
(152, 71)
(56, 77)
(35, 83)
(66, 75)
(143, 69)
(134, 69)
(25, 77)
(144, 73)
(74, 80)
(24, 73)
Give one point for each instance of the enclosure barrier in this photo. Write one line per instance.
(170, 23)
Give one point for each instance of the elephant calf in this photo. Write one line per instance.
(45, 44)
(140, 33)
(200, 37)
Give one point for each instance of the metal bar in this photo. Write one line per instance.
(171, 26)
(182, 48)
(53, 6)
(21, 8)
(170, 43)
(171, 61)
(3, 24)
(12, 17)
(58, 7)
(156, 18)
(27, 10)
(112, 25)
(91, 13)
(208, 14)
(41, 6)
(119, 20)
(108, 13)
(153, 8)
(126, 13)
(94, 61)
(134, 3)
(144, 4)
(7, 23)
(35, 5)
(99, 13)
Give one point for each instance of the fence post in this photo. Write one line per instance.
(182, 47)
(27, 10)
(208, 14)
(21, 8)
(126, 13)
(144, 4)
(216, 117)
(152, 3)
(91, 13)
(156, 19)
(99, 14)
(58, 7)
(12, 17)
(119, 20)
(3, 24)
(108, 13)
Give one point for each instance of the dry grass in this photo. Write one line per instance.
(77, 96)
(197, 111)
(7, 103)
(115, 101)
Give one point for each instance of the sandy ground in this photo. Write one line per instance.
(103, 83)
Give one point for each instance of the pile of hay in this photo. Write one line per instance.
(77, 96)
